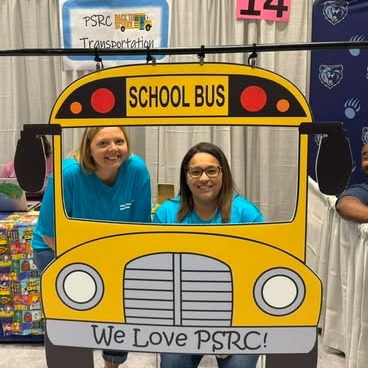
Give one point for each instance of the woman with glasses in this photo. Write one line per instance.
(207, 195)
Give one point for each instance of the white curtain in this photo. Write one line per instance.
(263, 161)
(337, 251)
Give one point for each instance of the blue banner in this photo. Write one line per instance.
(339, 77)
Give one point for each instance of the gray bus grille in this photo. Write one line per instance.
(176, 289)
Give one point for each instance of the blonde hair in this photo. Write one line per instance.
(83, 152)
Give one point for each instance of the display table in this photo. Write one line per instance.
(21, 317)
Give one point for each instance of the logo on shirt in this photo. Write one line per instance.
(126, 206)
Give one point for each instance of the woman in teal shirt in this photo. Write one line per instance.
(102, 180)
(207, 195)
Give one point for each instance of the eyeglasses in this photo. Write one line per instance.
(211, 171)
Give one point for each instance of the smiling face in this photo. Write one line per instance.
(205, 189)
(109, 150)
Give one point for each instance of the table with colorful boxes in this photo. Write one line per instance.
(21, 315)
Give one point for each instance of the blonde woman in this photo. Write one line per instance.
(102, 180)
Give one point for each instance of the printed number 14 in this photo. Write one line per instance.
(280, 7)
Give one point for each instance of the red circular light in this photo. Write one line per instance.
(102, 100)
(253, 98)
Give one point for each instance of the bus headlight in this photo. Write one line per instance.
(279, 291)
(79, 286)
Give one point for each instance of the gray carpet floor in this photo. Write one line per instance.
(16, 355)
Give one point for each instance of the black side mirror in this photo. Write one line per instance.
(333, 164)
(30, 163)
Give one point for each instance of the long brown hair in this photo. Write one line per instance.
(227, 190)
(83, 152)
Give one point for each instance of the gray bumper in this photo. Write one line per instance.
(178, 339)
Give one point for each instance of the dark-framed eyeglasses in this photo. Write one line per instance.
(211, 171)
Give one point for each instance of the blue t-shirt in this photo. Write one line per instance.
(86, 196)
(359, 191)
(242, 211)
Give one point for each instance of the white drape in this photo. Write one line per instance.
(263, 161)
(337, 251)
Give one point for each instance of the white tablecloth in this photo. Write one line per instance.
(337, 251)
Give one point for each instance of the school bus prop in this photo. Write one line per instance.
(227, 289)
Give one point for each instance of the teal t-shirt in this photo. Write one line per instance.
(242, 211)
(88, 197)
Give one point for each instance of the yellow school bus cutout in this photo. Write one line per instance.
(227, 289)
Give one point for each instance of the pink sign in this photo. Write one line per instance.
(277, 10)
